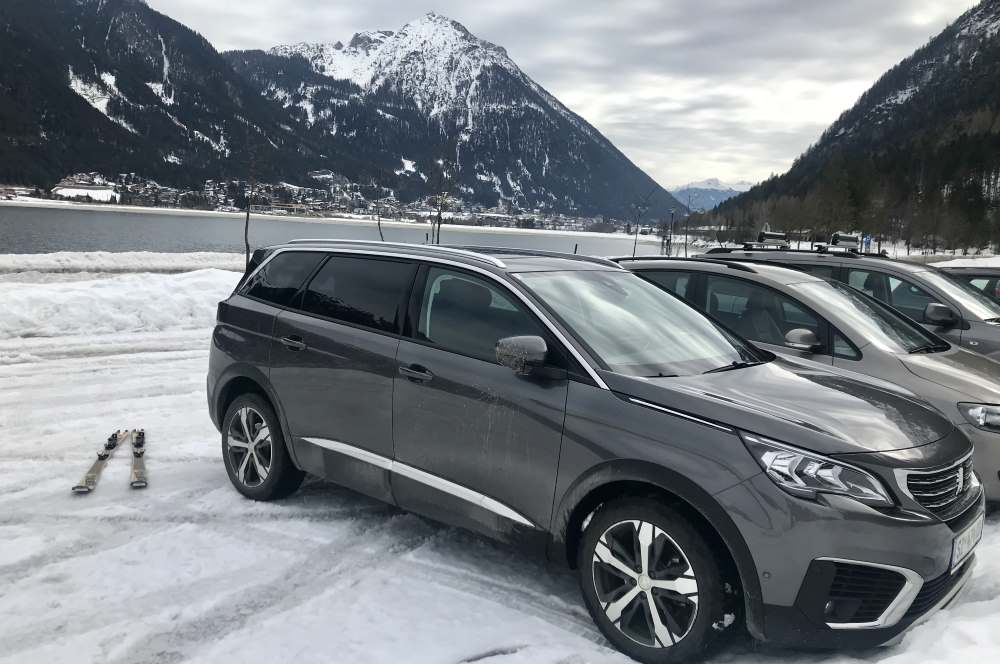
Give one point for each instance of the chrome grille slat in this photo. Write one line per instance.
(937, 490)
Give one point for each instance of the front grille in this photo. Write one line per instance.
(939, 490)
(933, 590)
(861, 594)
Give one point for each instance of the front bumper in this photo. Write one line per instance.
(800, 547)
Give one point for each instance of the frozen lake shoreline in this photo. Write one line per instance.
(189, 571)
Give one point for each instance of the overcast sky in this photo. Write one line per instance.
(688, 89)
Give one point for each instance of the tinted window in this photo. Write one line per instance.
(675, 282)
(468, 315)
(281, 277)
(757, 312)
(362, 291)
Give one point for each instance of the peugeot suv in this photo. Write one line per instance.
(566, 406)
(824, 321)
(942, 302)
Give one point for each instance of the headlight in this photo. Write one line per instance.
(806, 474)
(982, 415)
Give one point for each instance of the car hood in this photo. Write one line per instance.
(804, 406)
(972, 374)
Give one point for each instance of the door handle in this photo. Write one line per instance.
(293, 343)
(416, 373)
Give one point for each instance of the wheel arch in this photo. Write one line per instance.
(248, 379)
(623, 479)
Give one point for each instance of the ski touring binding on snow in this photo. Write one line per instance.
(92, 476)
(138, 477)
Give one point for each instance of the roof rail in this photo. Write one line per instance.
(736, 265)
(514, 251)
(409, 245)
(848, 252)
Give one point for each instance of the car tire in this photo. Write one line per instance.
(681, 580)
(253, 449)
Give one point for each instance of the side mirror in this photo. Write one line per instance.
(940, 314)
(522, 354)
(802, 339)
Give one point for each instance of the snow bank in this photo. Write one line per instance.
(126, 303)
(126, 261)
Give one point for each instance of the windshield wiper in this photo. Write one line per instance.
(929, 348)
(733, 365)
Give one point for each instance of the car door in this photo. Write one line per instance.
(333, 363)
(764, 315)
(476, 444)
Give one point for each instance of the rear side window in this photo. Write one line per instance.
(282, 276)
(361, 291)
(675, 282)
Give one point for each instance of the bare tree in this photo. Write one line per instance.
(639, 208)
(443, 183)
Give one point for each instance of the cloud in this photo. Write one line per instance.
(688, 89)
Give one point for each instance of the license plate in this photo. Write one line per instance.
(965, 542)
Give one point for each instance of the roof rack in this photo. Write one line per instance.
(736, 265)
(409, 245)
(822, 249)
(514, 251)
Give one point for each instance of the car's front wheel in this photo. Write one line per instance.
(651, 582)
(254, 450)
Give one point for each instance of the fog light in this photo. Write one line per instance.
(829, 609)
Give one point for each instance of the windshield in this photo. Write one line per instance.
(963, 293)
(632, 327)
(870, 320)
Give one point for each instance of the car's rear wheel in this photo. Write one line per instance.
(651, 582)
(254, 452)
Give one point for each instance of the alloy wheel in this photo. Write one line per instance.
(249, 446)
(645, 583)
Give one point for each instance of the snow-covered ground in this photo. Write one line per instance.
(188, 571)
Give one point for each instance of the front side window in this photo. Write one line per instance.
(909, 298)
(360, 291)
(757, 312)
(633, 327)
(467, 315)
(962, 293)
(282, 276)
(875, 284)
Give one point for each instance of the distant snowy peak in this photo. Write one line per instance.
(434, 60)
(718, 185)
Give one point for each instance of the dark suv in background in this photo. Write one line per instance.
(945, 304)
(567, 406)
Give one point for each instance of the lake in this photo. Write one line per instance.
(31, 228)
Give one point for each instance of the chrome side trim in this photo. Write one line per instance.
(677, 413)
(899, 606)
(465, 266)
(486, 258)
(417, 475)
(352, 451)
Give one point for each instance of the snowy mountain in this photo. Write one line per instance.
(706, 194)
(114, 86)
(432, 91)
(922, 144)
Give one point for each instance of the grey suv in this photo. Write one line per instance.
(942, 302)
(803, 316)
(569, 407)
